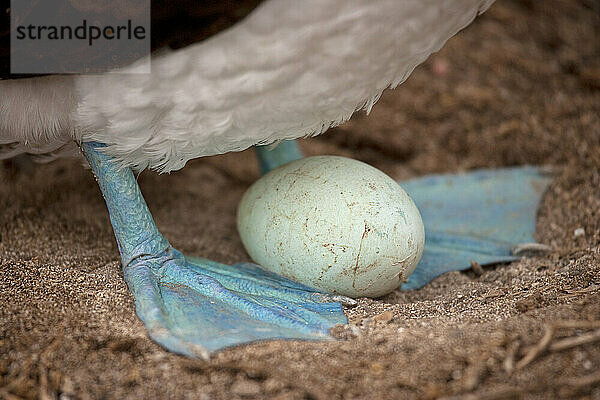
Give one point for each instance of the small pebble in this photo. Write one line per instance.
(440, 66)
(354, 330)
(579, 232)
(345, 332)
(385, 317)
(377, 368)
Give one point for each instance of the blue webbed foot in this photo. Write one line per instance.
(194, 306)
(484, 216)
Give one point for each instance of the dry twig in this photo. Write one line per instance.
(509, 362)
(575, 341)
(538, 348)
(573, 383)
(6, 395)
(545, 343)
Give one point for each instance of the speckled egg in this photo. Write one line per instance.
(332, 223)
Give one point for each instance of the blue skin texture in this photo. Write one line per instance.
(479, 216)
(270, 157)
(194, 306)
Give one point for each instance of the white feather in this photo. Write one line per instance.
(291, 69)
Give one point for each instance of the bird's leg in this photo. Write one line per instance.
(193, 306)
(270, 157)
(135, 231)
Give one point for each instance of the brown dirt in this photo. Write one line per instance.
(520, 86)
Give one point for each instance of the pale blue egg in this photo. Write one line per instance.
(333, 223)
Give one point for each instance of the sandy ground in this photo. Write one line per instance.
(520, 86)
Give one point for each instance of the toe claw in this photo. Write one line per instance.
(334, 298)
